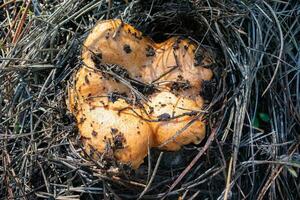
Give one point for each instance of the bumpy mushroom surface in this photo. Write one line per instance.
(175, 113)
(113, 129)
(117, 59)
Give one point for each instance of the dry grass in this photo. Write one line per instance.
(252, 147)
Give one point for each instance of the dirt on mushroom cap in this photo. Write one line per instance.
(116, 58)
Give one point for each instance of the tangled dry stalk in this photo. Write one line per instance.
(252, 147)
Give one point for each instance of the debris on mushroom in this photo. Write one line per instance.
(178, 124)
(111, 128)
(132, 94)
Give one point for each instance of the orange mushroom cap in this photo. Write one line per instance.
(115, 54)
(179, 125)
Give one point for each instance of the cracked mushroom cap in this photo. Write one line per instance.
(116, 56)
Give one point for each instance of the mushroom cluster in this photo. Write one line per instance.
(131, 94)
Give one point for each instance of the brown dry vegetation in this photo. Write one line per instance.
(252, 146)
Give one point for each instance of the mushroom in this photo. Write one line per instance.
(115, 131)
(178, 123)
(111, 120)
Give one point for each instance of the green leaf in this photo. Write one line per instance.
(264, 117)
(292, 171)
(256, 122)
(17, 128)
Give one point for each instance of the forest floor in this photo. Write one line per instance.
(251, 150)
